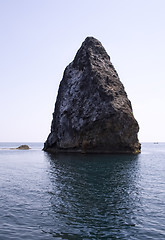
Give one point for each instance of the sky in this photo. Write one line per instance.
(39, 38)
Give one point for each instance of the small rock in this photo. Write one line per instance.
(23, 147)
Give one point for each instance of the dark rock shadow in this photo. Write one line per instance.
(94, 196)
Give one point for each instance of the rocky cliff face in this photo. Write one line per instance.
(92, 112)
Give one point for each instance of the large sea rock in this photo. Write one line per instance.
(92, 112)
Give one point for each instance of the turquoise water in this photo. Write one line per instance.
(44, 196)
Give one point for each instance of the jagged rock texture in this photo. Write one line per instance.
(92, 112)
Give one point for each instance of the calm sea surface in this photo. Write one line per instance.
(44, 196)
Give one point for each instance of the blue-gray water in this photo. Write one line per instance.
(82, 196)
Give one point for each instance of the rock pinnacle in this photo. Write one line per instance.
(92, 112)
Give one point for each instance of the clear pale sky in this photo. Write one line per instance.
(39, 38)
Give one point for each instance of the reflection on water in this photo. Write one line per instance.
(48, 197)
(93, 196)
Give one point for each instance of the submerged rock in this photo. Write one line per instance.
(92, 112)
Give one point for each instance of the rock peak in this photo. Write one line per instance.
(93, 43)
(92, 112)
(90, 50)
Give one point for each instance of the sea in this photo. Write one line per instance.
(81, 196)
